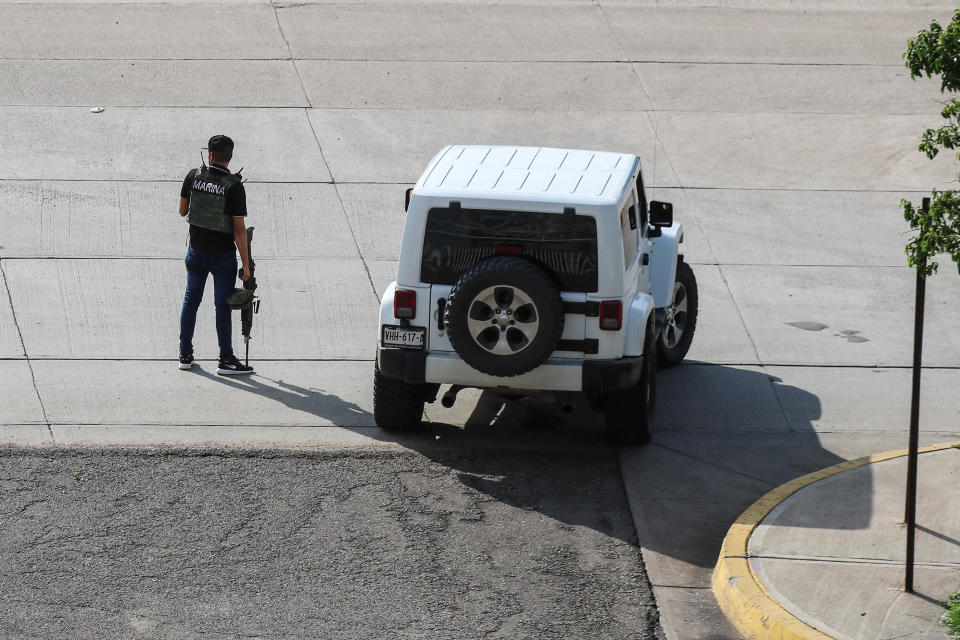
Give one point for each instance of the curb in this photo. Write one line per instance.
(741, 595)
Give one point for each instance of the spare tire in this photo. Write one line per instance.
(504, 316)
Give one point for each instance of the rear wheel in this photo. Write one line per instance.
(630, 412)
(396, 404)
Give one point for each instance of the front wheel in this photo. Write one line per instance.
(680, 319)
(396, 404)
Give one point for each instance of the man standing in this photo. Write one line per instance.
(215, 204)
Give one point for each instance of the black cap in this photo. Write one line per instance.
(220, 143)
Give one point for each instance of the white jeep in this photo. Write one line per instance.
(526, 270)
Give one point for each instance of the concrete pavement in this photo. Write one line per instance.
(823, 556)
(784, 132)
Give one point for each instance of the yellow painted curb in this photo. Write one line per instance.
(741, 595)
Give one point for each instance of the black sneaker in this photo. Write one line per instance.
(233, 367)
(186, 362)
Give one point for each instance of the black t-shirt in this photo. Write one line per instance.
(207, 240)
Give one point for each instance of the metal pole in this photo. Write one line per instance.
(910, 517)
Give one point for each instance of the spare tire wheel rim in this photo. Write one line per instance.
(676, 317)
(503, 320)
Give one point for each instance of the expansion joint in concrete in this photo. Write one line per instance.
(634, 518)
(713, 464)
(776, 393)
(356, 243)
(623, 59)
(746, 329)
(651, 183)
(23, 347)
(291, 58)
(333, 181)
(685, 587)
(877, 562)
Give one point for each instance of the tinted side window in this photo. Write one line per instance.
(628, 227)
(643, 202)
(563, 244)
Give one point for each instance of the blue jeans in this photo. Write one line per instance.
(223, 266)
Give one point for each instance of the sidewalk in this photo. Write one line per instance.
(822, 556)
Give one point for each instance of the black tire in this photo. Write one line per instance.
(630, 412)
(396, 404)
(504, 316)
(681, 319)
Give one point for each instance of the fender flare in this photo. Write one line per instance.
(386, 307)
(663, 263)
(638, 315)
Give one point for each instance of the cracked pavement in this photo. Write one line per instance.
(440, 544)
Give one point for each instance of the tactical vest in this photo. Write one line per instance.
(208, 200)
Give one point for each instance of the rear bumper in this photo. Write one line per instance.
(402, 364)
(591, 376)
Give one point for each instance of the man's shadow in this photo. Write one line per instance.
(311, 401)
(726, 436)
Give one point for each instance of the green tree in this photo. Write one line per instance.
(936, 52)
(951, 619)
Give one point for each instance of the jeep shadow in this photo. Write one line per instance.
(723, 440)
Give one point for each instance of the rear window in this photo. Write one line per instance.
(563, 244)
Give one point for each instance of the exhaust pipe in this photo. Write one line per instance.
(451, 395)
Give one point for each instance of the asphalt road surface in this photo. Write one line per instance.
(431, 544)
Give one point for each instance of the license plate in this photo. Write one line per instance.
(404, 337)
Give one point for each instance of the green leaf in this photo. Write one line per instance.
(938, 231)
(936, 52)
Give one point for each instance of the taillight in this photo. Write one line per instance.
(508, 250)
(611, 315)
(404, 304)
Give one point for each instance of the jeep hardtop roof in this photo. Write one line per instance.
(532, 174)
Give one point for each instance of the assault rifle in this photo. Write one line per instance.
(253, 305)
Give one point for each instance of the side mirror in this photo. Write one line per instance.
(406, 199)
(661, 214)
